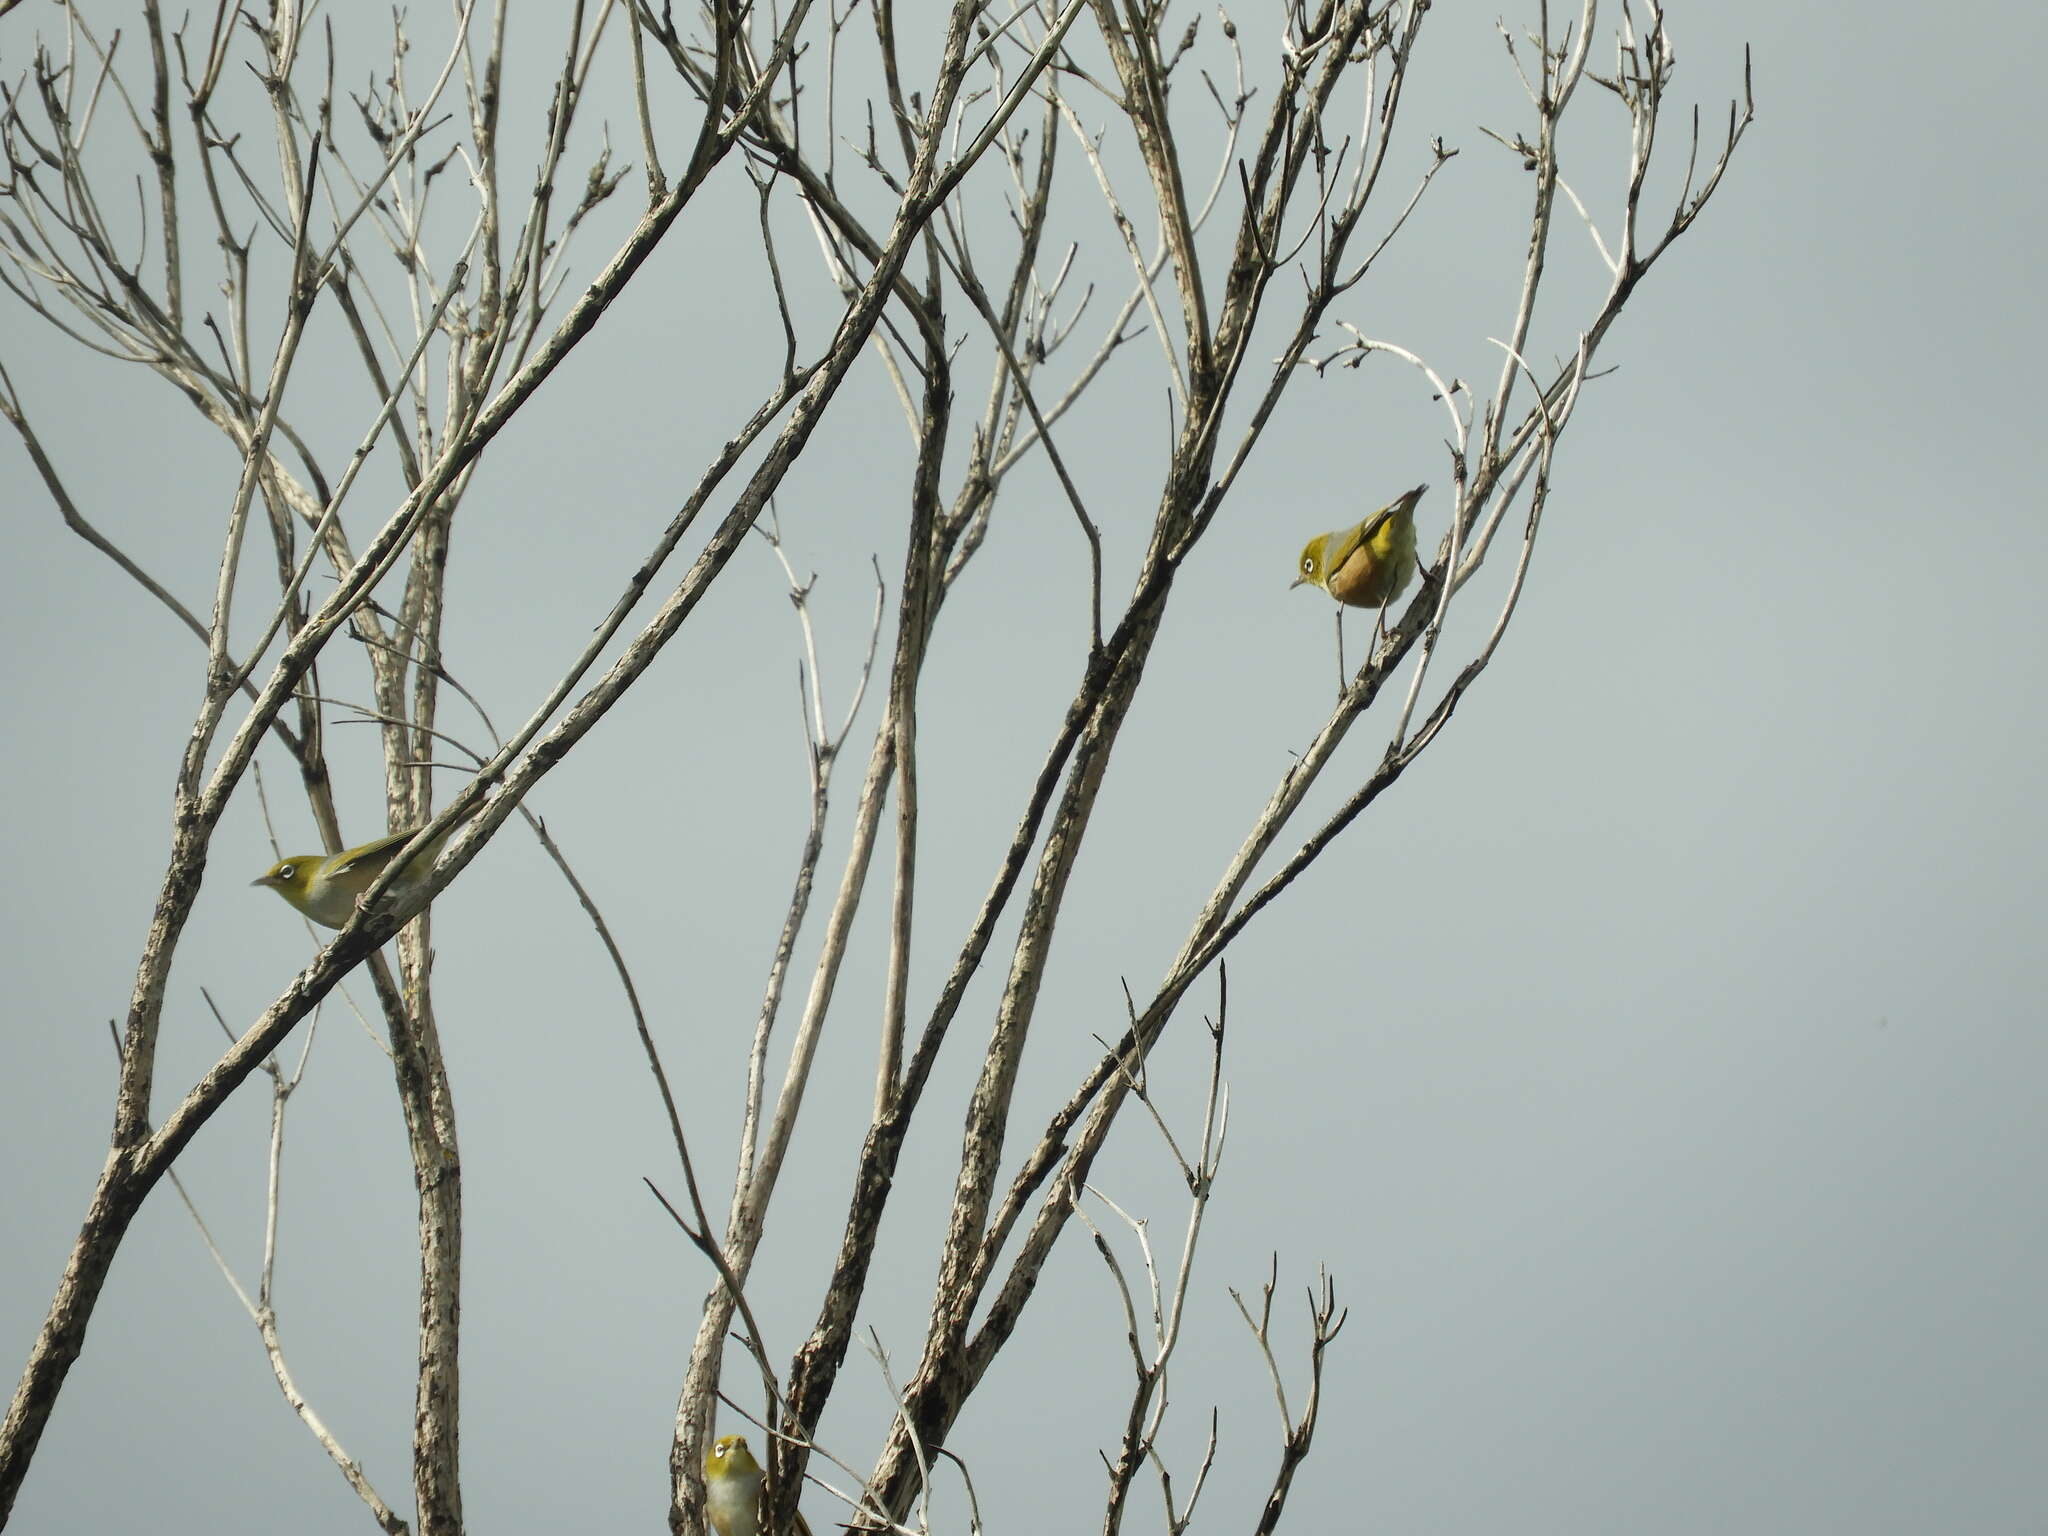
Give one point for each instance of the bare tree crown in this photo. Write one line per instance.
(1014, 213)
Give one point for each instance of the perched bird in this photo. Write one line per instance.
(326, 887)
(732, 1490)
(1369, 565)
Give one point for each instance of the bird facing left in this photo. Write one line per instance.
(326, 887)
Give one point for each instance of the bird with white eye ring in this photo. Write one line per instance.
(733, 1483)
(326, 887)
(1367, 565)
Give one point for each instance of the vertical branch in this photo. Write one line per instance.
(922, 564)
(1557, 77)
(1148, 1405)
(1296, 1435)
(822, 749)
(1134, 50)
(161, 156)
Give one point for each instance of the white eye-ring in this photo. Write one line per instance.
(286, 871)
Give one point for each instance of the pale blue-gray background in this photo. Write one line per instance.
(1658, 1068)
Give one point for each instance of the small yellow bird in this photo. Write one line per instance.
(326, 887)
(732, 1484)
(1369, 565)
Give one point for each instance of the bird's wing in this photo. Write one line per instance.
(373, 855)
(1343, 547)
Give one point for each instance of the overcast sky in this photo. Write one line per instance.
(1657, 1069)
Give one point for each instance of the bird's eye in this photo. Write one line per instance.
(287, 871)
(1308, 562)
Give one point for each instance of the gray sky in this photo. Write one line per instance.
(1657, 1068)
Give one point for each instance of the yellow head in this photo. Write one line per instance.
(292, 878)
(729, 1461)
(1309, 569)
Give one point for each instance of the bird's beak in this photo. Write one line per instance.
(261, 880)
(1296, 582)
